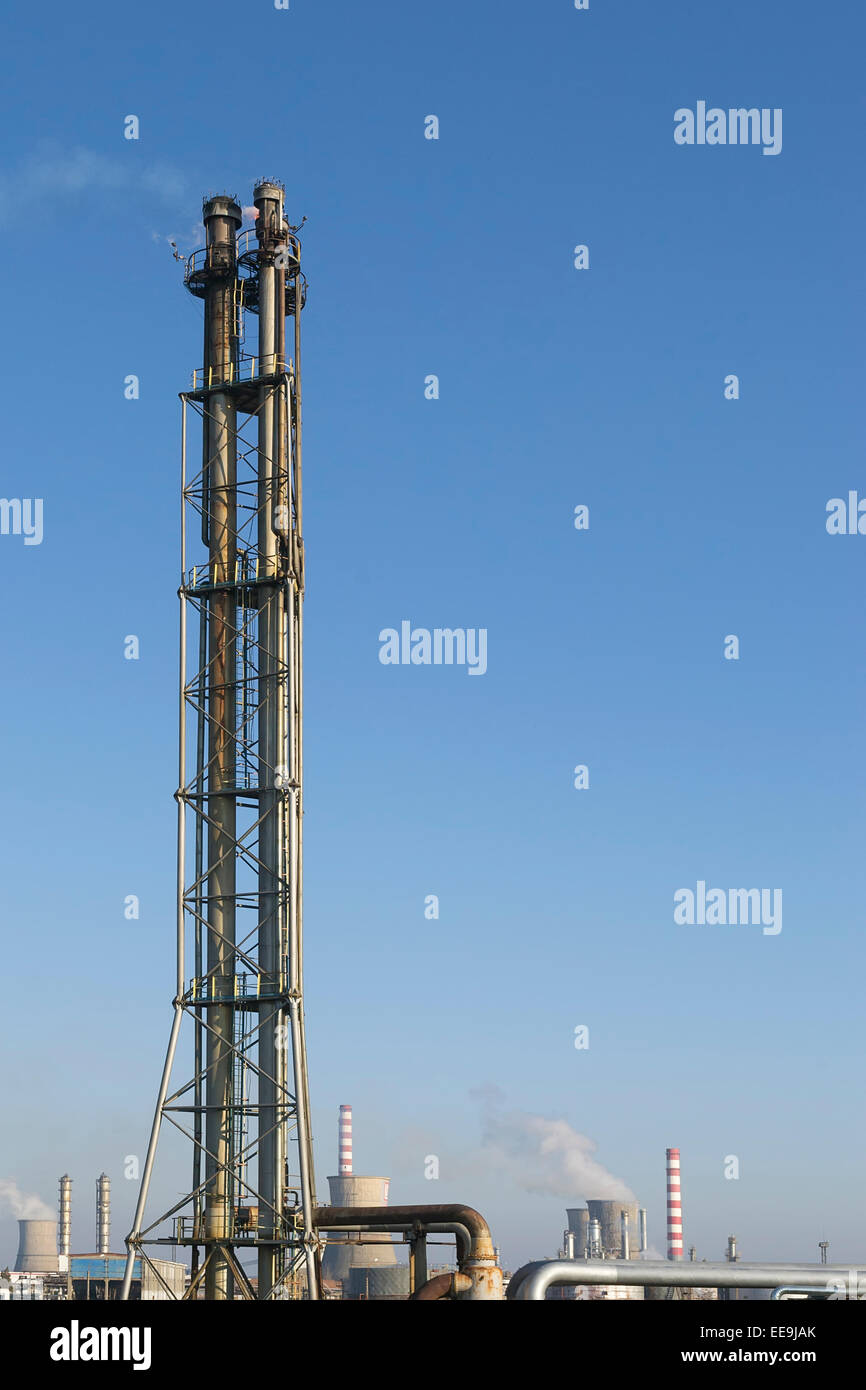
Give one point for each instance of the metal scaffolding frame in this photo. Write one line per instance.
(241, 777)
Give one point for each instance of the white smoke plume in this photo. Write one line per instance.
(54, 171)
(548, 1157)
(25, 1206)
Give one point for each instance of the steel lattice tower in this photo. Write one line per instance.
(245, 1108)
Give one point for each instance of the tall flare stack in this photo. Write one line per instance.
(240, 873)
(675, 1208)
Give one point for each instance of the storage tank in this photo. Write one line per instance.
(37, 1247)
(375, 1282)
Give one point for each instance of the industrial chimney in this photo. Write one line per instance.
(65, 1215)
(37, 1247)
(343, 1253)
(103, 1214)
(344, 1157)
(675, 1208)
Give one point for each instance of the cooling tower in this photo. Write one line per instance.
(349, 1190)
(37, 1247)
(578, 1221)
(338, 1260)
(609, 1216)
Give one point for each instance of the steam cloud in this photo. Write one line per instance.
(53, 171)
(25, 1206)
(547, 1157)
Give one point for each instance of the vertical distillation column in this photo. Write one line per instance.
(272, 732)
(64, 1243)
(222, 219)
(103, 1214)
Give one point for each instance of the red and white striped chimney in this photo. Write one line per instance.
(344, 1157)
(675, 1206)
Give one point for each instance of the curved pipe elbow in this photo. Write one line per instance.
(442, 1286)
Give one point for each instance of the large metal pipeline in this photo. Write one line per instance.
(480, 1262)
(532, 1281)
(442, 1286)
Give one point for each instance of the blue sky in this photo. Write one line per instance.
(605, 647)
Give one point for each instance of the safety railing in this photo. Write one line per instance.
(243, 985)
(250, 569)
(290, 254)
(231, 373)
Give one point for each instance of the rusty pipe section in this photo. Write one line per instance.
(480, 1263)
(442, 1286)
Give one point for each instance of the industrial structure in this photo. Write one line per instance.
(103, 1214)
(368, 1268)
(64, 1242)
(675, 1206)
(245, 1107)
(605, 1230)
(46, 1268)
(37, 1247)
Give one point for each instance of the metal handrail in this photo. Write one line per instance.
(245, 369)
(247, 242)
(200, 988)
(249, 570)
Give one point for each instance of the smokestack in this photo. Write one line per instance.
(103, 1214)
(675, 1208)
(642, 1227)
(594, 1239)
(623, 1248)
(569, 1245)
(65, 1214)
(37, 1247)
(344, 1156)
(732, 1250)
